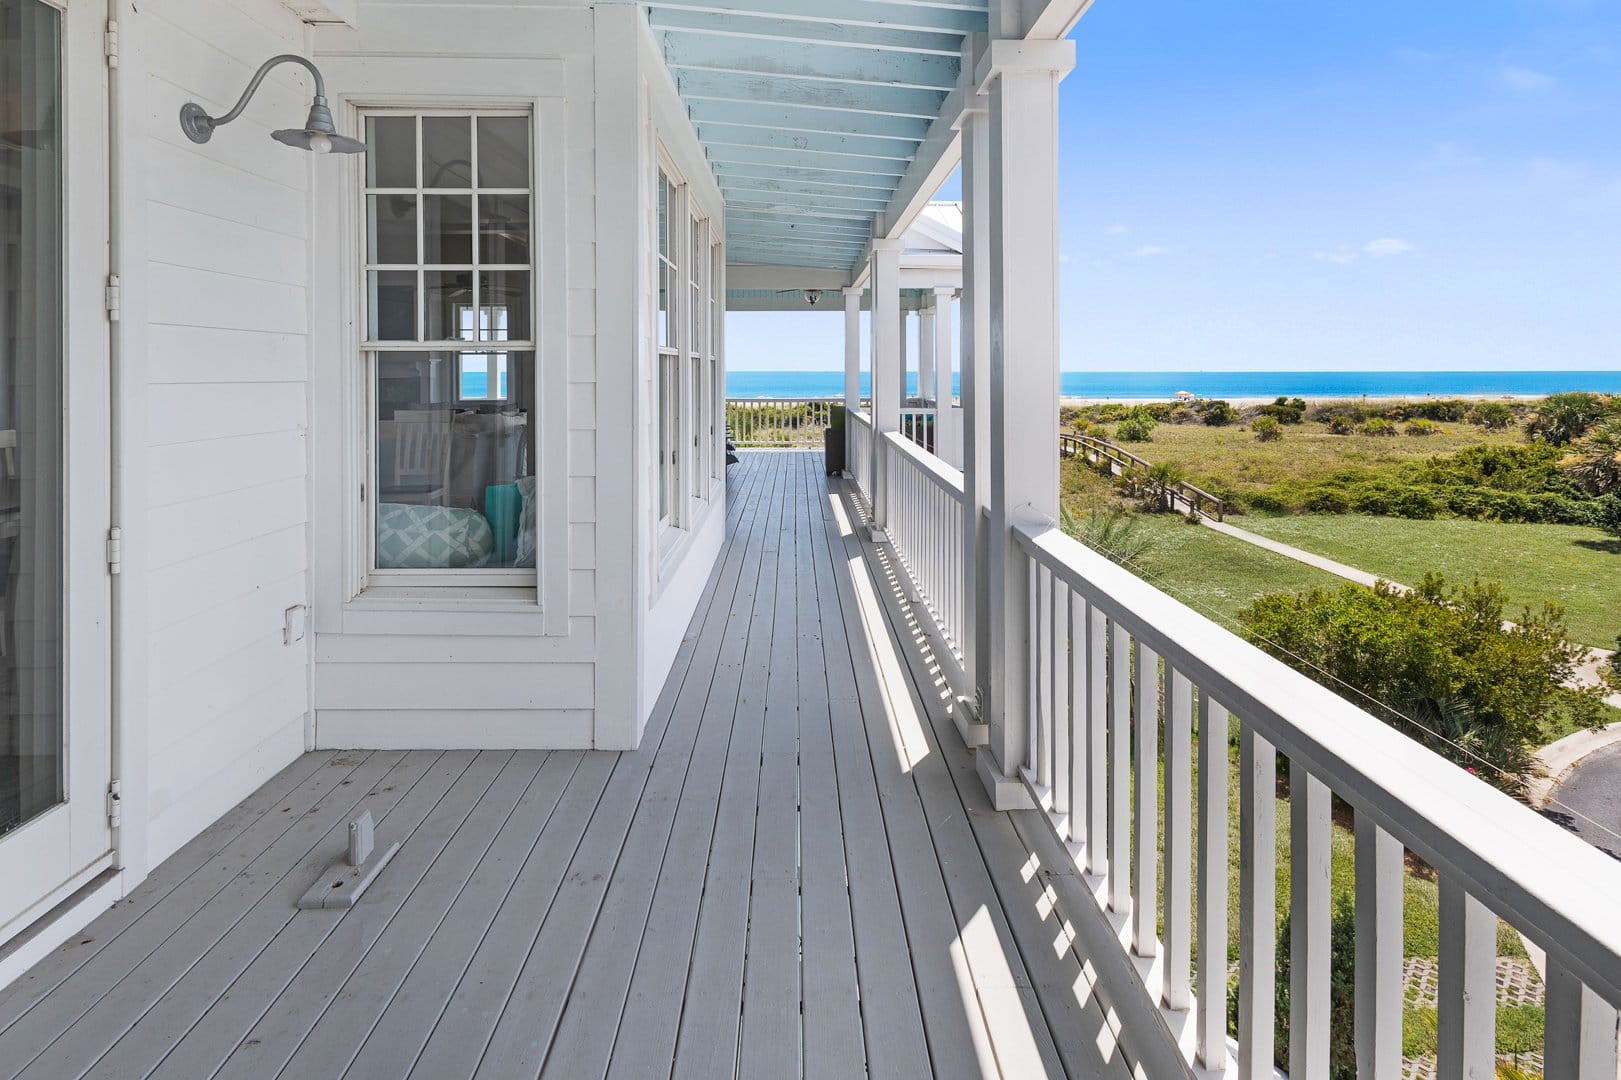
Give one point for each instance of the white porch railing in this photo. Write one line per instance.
(1115, 666)
(858, 429)
(923, 516)
(781, 422)
(918, 425)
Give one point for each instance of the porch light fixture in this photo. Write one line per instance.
(319, 135)
(813, 297)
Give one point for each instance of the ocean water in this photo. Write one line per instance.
(1227, 384)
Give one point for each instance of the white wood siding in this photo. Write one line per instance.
(223, 256)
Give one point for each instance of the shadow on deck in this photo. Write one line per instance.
(797, 873)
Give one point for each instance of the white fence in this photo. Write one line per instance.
(858, 430)
(782, 422)
(1115, 665)
(923, 500)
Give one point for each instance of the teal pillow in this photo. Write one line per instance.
(413, 537)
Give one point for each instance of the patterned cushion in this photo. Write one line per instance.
(431, 537)
(526, 523)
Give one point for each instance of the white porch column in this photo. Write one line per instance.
(852, 349)
(905, 368)
(975, 314)
(887, 368)
(947, 420)
(926, 349)
(1021, 79)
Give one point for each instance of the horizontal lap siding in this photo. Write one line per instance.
(226, 265)
(464, 679)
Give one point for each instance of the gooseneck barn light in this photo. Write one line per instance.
(318, 135)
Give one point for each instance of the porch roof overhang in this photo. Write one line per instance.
(832, 123)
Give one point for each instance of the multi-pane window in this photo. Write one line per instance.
(449, 284)
(717, 392)
(697, 320)
(671, 246)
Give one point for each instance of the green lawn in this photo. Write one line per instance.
(1576, 567)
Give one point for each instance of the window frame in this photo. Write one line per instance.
(371, 349)
(669, 254)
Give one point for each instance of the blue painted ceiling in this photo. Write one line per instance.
(810, 113)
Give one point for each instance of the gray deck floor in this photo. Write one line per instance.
(796, 874)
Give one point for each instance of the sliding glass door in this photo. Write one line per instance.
(45, 843)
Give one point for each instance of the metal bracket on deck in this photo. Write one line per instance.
(343, 882)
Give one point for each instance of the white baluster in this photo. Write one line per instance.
(1178, 839)
(1309, 940)
(1119, 769)
(1466, 1019)
(1145, 863)
(1097, 735)
(1257, 903)
(1211, 1029)
(1378, 950)
(1580, 1035)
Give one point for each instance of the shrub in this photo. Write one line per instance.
(1608, 517)
(1450, 410)
(1595, 459)
(1341, 425)
(1266, 428)
(1160, 483)
(1215, 412)
(1341, 993)
(1112, 533)
(1378, 426)
(1138, 426)
(1423, 427)
(1492, 415)
(1285, 410)
(1561, 419)
(1437, 663)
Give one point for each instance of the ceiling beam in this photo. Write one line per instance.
(966, 18)
(792, 118)
(822, 63)
(800, 31)
(815, 159)
(759, 89)
(808, 242)
(741, 276)
(787, 205)
(822, 143)
(746, 189)
(845, 182)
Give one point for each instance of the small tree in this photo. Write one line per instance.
(1561, 419)
(1492, 415)
(1266, 428)
(1216, 412)
(1138, 426)
(1595, 460)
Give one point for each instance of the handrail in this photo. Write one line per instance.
(779, 422)
(1195, 497)
(1494, 853)
(922, 502)
(935, 469)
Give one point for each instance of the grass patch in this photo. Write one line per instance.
(1570, 565)
(1519, 1030)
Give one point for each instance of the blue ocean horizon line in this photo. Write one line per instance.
(1128, 385)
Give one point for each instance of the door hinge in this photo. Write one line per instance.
(115, 804)
(113, 297)
(110, 43)
(362, 492)
(115, 550)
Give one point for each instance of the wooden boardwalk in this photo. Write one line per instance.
(796, 874)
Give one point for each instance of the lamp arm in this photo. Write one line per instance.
(259, 77)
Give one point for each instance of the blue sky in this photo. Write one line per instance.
(1288, 185)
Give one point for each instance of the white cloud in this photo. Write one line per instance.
(1388, 245)
(1526, 80)
(1147, 251)
(1063, 258)
(1382, 248)
(1117, 230)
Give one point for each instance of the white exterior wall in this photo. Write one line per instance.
(218, 406)
(509, 668)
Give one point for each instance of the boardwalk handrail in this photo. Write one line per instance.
(1094, 628)
(1093, 448)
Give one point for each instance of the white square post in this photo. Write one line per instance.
(1021, 80)
(886, 364)
(926, 349)
(975, 314)
(852, 349)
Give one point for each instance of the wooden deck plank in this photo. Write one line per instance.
(892, 1016)
(176, 889)
(163, 961)
(644, 1043)
(234, 830)
(220, 978)
(834, 1035)
(523, 1034)
(413, 1009)
(679, 797)
(707, 1043)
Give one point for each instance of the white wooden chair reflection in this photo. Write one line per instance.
(421, 461)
